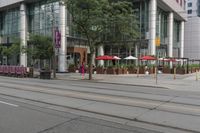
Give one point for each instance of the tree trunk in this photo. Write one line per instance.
(90, 63)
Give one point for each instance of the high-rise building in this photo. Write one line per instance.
(160, 21)
(192, 30)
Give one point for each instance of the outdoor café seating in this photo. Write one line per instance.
(15, 71)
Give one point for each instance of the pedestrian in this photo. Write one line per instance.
(83, 70)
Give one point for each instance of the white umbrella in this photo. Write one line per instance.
(130, 58)
(116, 58)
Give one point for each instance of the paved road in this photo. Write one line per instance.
(17, 117)
(157, 109)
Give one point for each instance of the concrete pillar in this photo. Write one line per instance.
(63, 48)
(136, 54)
(170, 34)
(23, 31)
(182, 39)
(152, 26)
(100, 53)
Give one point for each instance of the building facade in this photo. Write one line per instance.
(161, 20)
(192, 30)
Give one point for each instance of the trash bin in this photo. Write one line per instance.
(44, 74)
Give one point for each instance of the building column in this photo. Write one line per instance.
(152, 26)
(63, 47)
(136, 54)
(182, 39)
(100, 53)
(23, 31)
(170, 34)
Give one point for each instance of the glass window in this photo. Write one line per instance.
(189, 11)
(9, 22)
(190, 4)
(42, 16)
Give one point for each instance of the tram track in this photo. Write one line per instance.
(96, 96)
(115, 99)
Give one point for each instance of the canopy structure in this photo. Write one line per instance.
(130, 58)
(169, 59)
(148, 58)
(116, 58)
(104, 57)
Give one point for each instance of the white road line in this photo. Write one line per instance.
(14, 105)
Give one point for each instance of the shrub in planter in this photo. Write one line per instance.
(124, 70)
(166, 70)
(141, 70)
(72, 68)
(181, 71)
(132, 69)
(118, 70)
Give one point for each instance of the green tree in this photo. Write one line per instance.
(101, 21)
(11, 51)
(40, 47)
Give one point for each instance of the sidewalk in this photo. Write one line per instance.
(166, 81)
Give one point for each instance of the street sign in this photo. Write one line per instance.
(57, 39)
(157, 41)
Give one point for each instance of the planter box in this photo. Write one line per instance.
(118, 71)
(141, 70)
(132, 70)
(124, 70)
(166, 70)
(181, 71)
(110, 71)
(152, 70)
(100, 70)
(45, 74)
(72, 69)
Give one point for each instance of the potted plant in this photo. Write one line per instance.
(40, 48)
(45, 73)
(72, 68)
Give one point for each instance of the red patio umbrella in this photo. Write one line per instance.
(105, 57)
(148, 58)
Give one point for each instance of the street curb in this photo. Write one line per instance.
(93, 81)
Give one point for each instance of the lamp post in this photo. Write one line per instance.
(53, 42)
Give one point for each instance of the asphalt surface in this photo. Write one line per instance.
(59, 106)
(17, 117)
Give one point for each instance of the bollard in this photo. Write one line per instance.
(196, 75)
(138, 72)
(156, 75)
(174, 73)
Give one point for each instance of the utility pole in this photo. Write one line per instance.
(53, 43)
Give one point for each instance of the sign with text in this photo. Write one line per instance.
(57, 38)
(157, 41)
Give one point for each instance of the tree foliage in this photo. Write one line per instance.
(40, 47)
(103, 21)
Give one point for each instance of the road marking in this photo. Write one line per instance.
(14, 105)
